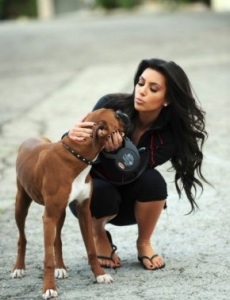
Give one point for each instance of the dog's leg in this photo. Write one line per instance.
(60, 268)
(49, 223)
(22, 205)
(85, 222)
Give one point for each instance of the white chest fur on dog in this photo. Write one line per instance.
(80, 189)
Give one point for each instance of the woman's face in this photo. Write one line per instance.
(150, 91)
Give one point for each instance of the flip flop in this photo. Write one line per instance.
(110, 258)
(141, 259)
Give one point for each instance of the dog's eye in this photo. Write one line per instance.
(102, 125)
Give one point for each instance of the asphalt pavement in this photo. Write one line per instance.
(52, 73)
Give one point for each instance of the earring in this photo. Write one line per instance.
(165, 104)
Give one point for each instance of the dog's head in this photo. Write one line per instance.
(106, 122)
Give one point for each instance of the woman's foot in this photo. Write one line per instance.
(106, 250)
(148, 258)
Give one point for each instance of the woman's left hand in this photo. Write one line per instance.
(114, 141)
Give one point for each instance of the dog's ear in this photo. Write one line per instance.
(100, 132)
(102, 128)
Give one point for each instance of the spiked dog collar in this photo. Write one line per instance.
(77, 155)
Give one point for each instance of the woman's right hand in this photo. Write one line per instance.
(81, 131)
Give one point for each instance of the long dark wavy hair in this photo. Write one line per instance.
(187, 122)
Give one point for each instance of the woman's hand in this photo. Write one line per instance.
(81, 131)
(114, 141)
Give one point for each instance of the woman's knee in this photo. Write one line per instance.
(105, 199)
(152, 186)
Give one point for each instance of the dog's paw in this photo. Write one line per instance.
(49, 294)
(60, 273)
(18, 273)
(106, 278)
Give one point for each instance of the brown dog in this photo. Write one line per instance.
(53, 174)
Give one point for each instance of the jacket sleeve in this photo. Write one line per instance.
(109, 101)
(101, 103)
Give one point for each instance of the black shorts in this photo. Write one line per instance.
(108, 199)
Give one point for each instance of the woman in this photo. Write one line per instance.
(166, 119)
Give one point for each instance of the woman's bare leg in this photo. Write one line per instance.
(147, 215)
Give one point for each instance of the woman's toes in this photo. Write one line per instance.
(157, 262)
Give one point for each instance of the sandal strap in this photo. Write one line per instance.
(141, 258)
(107, 257)
(114, 248)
